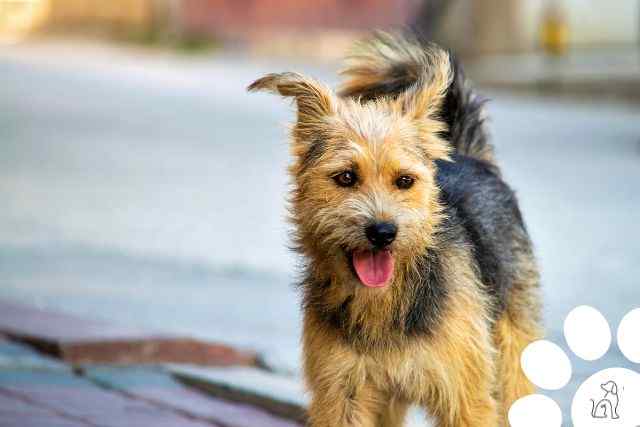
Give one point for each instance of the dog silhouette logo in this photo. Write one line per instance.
(607, 407)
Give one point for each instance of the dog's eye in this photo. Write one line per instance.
(346, 179)
(405, 182)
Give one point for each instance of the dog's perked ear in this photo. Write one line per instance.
(313, 99)
(315, 104)
(422, 102)
(425, 97)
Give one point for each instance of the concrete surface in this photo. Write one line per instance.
(150, 189)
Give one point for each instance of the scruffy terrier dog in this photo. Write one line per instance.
(420, 285)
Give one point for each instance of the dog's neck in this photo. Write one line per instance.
(370, 318)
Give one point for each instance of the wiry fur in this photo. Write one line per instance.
(447, 330)
(387, 64)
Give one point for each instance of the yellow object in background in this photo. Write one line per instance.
(78, 13)
(19, 17)
(554, 33)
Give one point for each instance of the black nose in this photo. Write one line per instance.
(381, 234)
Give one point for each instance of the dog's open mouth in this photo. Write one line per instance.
(374, 268)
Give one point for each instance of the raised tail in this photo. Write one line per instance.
(387, 65)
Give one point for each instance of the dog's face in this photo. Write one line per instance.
(365, 199)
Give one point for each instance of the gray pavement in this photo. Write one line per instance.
(149, 189)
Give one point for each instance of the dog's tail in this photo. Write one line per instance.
(386, 65)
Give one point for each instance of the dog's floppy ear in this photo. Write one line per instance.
(423, 101)
(313, 99)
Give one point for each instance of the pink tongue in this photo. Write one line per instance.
(374, 268)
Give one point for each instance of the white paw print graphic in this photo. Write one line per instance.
(610, 397)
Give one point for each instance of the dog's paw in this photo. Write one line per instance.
(609, 397)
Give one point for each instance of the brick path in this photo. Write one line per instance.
(39, 390)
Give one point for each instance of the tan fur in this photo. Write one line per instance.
(367, 372)
(373, 59)
(518, 326)
(452, 375)
(380, 64)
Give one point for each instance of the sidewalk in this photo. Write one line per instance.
(39, 390)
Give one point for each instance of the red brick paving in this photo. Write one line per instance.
(154, 351)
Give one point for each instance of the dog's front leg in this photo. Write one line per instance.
(345, 405)
(460, 366)
(463, 395)
(342, 393)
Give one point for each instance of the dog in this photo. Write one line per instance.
(608, 405)
(419, 282)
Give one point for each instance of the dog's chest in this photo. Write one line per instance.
(400, 371)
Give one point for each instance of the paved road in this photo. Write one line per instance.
(150, 189)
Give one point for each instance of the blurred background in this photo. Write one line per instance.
(140, 184)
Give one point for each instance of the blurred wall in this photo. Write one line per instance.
(18, 17)
(124, 13)
(240, 18)
(467, 26)
(483, 26)
(594, 22)
(507, 26)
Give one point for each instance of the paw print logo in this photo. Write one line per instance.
(610, 397)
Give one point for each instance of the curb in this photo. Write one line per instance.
(281, 396)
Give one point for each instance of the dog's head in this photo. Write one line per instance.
(365, 200)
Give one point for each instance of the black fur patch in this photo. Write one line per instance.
(488, 211)
(339, 316)
(428, 299)
(314, 299)
(463, 111)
